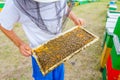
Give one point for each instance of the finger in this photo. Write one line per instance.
(27, 47)
(24, 52)
(78, 23)
(28, 50)
(81, 22)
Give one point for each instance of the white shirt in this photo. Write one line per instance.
(11, 14)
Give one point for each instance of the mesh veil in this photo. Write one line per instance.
(34, 11)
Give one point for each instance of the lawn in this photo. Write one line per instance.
(83, 66)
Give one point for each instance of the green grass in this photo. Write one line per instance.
(87, 63)
(118, 5)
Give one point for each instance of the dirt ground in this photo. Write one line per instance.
(83, 66)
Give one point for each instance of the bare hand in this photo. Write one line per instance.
(79, 22)
(25, 50)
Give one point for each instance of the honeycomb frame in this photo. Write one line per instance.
(36, 51)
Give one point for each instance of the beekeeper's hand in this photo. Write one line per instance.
(25, 50)
(79, 22)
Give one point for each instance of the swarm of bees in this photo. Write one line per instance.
(57, 50)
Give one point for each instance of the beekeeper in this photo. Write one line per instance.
(41, 20)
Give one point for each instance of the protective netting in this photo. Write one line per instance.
(46, 16)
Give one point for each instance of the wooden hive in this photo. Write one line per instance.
(55, 51)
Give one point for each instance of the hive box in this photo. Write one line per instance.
(112, 74)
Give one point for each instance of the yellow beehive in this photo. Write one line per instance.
(0, 9)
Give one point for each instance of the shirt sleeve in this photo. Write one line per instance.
(9, 15)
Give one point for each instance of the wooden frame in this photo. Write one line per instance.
(68, 57)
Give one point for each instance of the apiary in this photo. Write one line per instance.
(55, 51)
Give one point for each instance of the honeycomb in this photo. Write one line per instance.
(57, 50)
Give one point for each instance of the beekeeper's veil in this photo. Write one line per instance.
(46, 14)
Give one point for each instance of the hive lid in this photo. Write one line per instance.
(113, 14)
